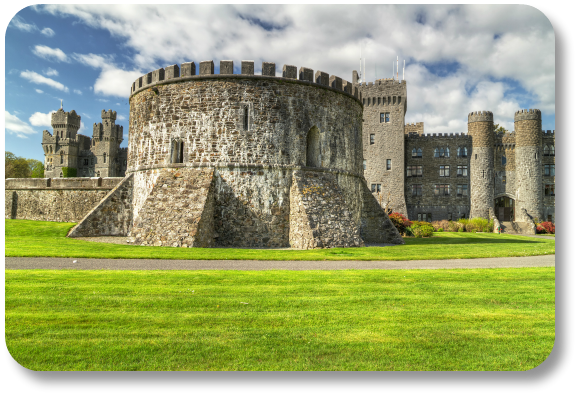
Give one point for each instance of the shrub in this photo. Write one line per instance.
(400, 222)
(68, 172)
(454, 226)
(540, 229)
(443, 225)
(425, 229)
(548, 227)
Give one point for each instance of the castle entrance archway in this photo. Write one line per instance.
(313, 148)
(504, 207)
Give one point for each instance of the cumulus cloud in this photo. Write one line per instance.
(41, 119)
(50, 72)
(36, 78)
(39, 91)
(47, 32)
(119, 116)
(77, 91)
(20, 24)
(51, 54)
(455, 54)
(15, 125)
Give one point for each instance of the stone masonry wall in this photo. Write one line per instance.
(529, 168)
(59, 200)
(481, 129)
(320, 217)
(385, 96)
(179, 210)
(112, 216)
(376, 226)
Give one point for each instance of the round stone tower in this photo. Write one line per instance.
(528, 129)
(481, 128)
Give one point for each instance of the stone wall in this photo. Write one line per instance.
(59, 199)
(179, 210)
(112, 216)
(376, 226)
(320, 216)
(481, 130)
(441, 207)
(381, 97)
(529, 168)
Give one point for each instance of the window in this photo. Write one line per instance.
(382, 117)
(376, 188)
(104, 158)
(462, 152)
(476, 156)
(462, 171)
(503, 179)
(447, 152)
(504, 160)
(86, 162)
(386, 117)
(424, 217)
(416, 153)
(441, 189)
(462, 189)
(246, 118)
(442, 152)
(546, 150)
(364, 164)
(449, 216)
(388, 164)
(551, 150)
(444, 171)
(550, 218)
(416, 190)
(61, 158)
(549, 190)
(372, 139)
(414, 171)
(436, 153)
(549, 170)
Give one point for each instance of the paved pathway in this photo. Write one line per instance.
(161, 264)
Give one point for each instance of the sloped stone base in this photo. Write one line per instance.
(112, 216)
(319, 217)
(178, 211)
(376, 226)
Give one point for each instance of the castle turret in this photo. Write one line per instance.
(528, 129)
(107, 137)
(61, 148)
(481, 128)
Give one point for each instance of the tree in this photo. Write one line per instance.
(499, 129)
(36, 168)
(18, 167)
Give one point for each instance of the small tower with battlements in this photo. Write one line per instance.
(106, 139)
(481, 130)
(528, 130)
(61, 147)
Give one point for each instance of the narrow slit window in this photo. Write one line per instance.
(246, 118)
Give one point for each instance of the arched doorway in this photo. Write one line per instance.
(313, 148)
(504, 207)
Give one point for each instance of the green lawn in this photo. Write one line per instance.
(47, 239)
(468, 319)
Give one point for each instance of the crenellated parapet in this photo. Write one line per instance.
(416, 127)
(188, 70)
(480, 116)
(531, 114)
(425, 137)
(548, 133)
(109, 115)
(62, 119)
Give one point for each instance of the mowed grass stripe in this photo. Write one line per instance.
(467, 319)
(48, 239)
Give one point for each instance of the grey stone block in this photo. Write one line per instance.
(247, 67)
(306, 74)
(322, 78)
(158, 75)
(226, 67)
(290, 71)
(336, 82)
(207, 67)
(188, 69)
(268, 68)
(172, 72)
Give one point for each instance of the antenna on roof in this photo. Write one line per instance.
(60, 103)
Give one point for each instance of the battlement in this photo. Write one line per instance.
(111, 115)
(549, 133)
(384, 81)
(414, 128)
(415, 135)
(61, 119)
(531, 114)
(188, 70)
(480, 116)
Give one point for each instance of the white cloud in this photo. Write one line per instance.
(50, 72)
(78, 92)
(51, 54)
(19, 23)
(39, 79)
(102, 100)
(47, 32)
(16, 126)
(120, 117)
(41, 119)
(86, 116)
(39, 91)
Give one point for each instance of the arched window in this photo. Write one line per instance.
(504, 160)
(313, 148)
(436, 153)
(419, 152)
(465, 151)
(98, 173)
(546, 150)
(61, 157)
(413, 153)
(60, 174)
(551, 150)
(447, 152)
(459, 152)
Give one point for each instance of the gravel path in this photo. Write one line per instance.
(161, 264)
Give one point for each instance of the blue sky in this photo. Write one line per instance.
(458, 58)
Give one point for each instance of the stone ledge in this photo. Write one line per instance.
(242, 77)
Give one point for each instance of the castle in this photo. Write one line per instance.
(305, 160)
(446, 177)
(99, 156)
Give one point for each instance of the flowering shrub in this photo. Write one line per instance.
(400, 222)
(548, 227)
